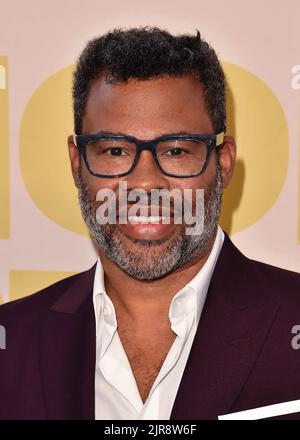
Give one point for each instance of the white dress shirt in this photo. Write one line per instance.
(116, 392)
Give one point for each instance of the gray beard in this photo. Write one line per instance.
(147, 261)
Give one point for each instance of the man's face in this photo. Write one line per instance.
(146, 110)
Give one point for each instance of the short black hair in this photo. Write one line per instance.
(146, 53)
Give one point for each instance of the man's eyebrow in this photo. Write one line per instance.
(115, 133)
(118, 133)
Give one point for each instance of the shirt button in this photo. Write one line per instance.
(106, 311)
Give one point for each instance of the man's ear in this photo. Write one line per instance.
(227, 155)
(74, 159)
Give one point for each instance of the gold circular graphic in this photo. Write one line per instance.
(46, 124)
(255, 118)
(257, 121)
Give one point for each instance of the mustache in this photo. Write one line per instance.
(151, 202)
(163, 202)
(145, 206)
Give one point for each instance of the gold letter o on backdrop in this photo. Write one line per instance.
(255, 118)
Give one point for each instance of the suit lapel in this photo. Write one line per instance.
(67, 353)
(235, 321)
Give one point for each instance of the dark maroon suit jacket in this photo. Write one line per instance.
(241, 356)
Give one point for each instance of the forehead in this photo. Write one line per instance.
(153, 106)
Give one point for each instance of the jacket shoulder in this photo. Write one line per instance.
(281, 283)
(262, 279)
(40, 301)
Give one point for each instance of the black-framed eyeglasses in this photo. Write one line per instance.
(176, 155)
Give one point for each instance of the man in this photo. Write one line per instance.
(166, 325)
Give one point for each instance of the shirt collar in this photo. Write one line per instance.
(191, 298)
(188, 301)
(102, 302)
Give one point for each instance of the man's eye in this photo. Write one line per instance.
(175, 152)
(115, 151)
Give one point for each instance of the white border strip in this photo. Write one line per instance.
(278, 409)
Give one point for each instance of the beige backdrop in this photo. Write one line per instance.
(42, 237)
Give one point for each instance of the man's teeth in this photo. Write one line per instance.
(144, 219)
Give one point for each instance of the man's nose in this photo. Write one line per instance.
(147, 175)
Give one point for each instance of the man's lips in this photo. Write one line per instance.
(146, 226)
(147, 214)
(153, 219)
(147, 231)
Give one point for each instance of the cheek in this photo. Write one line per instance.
(191, 183)
(206, 179)
(96, 183)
